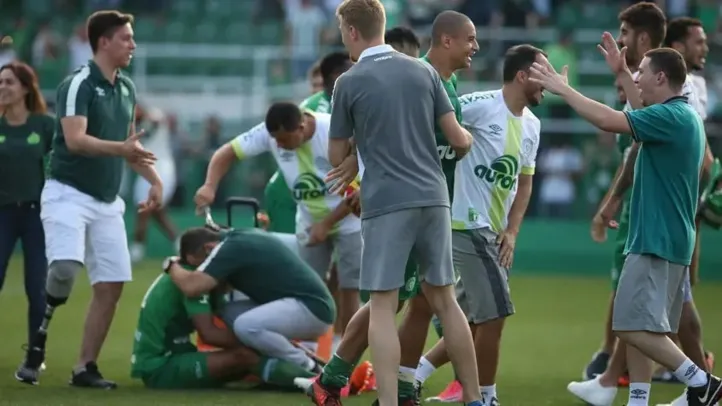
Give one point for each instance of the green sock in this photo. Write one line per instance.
(280, 373)
(336, 372)
(406, 389)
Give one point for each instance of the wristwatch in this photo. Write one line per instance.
(168, 262)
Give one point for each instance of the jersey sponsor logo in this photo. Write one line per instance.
(308, 187)
(472, 97)
(446, 152)
(501, 173)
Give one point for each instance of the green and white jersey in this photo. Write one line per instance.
(504, 147)
(318, 102)
(304, 170)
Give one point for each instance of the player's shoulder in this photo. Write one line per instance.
(528, 115)
(125, 80)
(481, 99)
(688, 89)
(533, 123)
(311, 100)
(78, 79)
(323, 120)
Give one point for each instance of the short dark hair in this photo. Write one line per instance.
(519, 58)
(402, 36)
(646, 17)
(678, 30)
(283, 115)
(104, 24)
(670, 62)
(446, 23)
(333, 64)
(193, 240)
(315, 69)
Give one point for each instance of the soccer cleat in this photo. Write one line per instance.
(323, 395)
(452, 394)
(592, 392)
(90, 377)
(707, 395)
(361, 379)
(29, 371)
(493, 402)
(596, 366)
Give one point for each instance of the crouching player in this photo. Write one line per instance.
(288, 300)
(165, 358)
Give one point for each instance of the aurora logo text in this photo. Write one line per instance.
(446, 152)
(308, 186)
(501, 173)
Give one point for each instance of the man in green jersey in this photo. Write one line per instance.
(332, 66)
(291, 301)
(165, 358)
(453, 44)
(81, 212)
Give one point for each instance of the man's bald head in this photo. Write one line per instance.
(447, 23)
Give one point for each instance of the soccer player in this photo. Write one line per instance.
(27, 134)
(165, 358)
(651, 291)
(157, 141)
(403, 40)
(291, 300)
(404, 198)
(453, 42)
(331, 67)
(81, 211)
(299, 143)
(491, 194)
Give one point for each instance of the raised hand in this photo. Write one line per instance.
(548, 78)
(616, 58)
(134, 152)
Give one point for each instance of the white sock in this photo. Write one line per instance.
(639, 394)
(487, 392)
(424, 370)
(690, 374)
(407, 374)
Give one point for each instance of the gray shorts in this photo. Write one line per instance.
(389, 240)
(650, 295)
(348, 250)
(483, 286)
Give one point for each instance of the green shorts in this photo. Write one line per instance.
(412, 285)
(620, 242)
(182, 371)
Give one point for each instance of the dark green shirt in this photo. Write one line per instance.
(110, 110)
(666, 180)
(22, 152)
(261, 266)
(446, 154)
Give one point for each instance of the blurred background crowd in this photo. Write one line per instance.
(209, 69)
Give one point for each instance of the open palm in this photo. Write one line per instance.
(616, 58)
(547, 77)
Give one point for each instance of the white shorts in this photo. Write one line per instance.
(81, 228)
(167, 176)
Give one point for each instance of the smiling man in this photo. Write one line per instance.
(651, 291)
(81, 211)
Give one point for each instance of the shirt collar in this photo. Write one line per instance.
(378, 49)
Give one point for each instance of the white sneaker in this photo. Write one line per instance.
(593, 393)
(137, 252)
(303, 383)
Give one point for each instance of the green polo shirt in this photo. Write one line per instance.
(110, 110)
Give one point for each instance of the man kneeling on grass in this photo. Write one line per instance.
(165, 358)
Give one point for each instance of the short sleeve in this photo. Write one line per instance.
(48, 131)
(341, 118)
(442, 104)
(655, 123)
(197, 305)
(253, 142)
(530, 147)
(218, 264)
(74, 98)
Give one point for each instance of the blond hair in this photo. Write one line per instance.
(367, 16)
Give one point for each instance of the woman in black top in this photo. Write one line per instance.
(26, 132)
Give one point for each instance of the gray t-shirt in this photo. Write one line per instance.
(389, 103)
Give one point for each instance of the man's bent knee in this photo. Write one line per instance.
(107, 292)
(61, 277)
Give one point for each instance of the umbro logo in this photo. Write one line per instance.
(495, 129)
(100, 91)
(637, 394)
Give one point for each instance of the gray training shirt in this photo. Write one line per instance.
(389, 103)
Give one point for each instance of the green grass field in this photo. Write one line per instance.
(557, 326)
